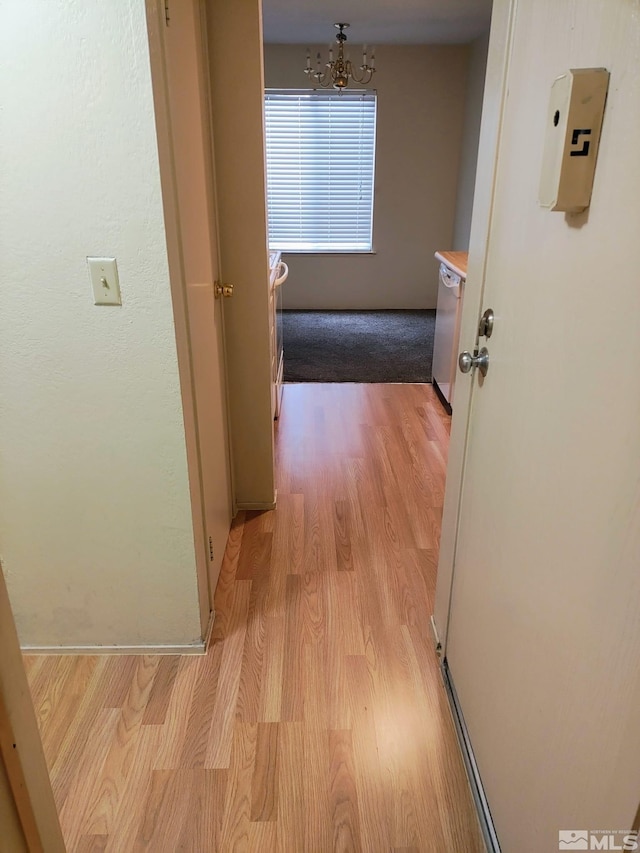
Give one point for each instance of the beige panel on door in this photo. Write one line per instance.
(544, 635)
(237, 96)
(185, 46)
(178, 65)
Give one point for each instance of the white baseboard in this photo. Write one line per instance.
(257, 504)
(198, 648)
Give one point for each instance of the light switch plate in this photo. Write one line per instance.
(104, 281)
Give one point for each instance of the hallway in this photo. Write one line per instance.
(317, 721)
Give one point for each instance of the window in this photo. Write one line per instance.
(320, 163)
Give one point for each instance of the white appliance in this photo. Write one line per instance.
(447, 332)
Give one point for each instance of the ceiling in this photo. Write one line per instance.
(376, 21)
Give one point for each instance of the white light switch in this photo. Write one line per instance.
(104, 280)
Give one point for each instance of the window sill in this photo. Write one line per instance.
(323, 251)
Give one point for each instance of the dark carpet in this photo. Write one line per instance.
(358, 346)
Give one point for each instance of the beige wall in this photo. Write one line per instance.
(421, 102)
(95, 519)
(470, 140)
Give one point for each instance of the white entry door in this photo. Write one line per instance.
(544, 633)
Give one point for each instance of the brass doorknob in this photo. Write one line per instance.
(220, 289)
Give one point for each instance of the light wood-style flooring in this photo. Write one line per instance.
(317, 721)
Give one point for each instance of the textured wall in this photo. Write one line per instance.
(421, 96)
(470, 139)
(95, 521)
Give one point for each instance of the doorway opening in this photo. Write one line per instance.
(367, 312)
(286, 604)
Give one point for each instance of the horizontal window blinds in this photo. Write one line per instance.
(320, 149)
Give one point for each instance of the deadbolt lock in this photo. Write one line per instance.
(220, 289)
(485, 328)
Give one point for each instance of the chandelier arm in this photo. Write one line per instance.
(323, 80)
(366, 77)
(317, 76)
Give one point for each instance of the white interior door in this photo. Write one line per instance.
(544, 635)
(187, 89)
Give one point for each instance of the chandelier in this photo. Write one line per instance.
(339, 71)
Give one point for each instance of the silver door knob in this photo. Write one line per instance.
(466, 361)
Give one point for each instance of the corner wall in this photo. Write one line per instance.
(470, 140)
(421, 97)
(95, 520)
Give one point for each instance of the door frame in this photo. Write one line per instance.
(493, 106)
(26, 797)
(500, 45)
(156, 13)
